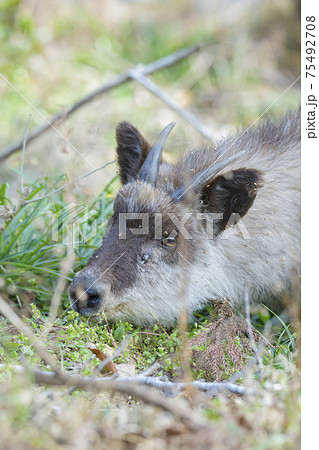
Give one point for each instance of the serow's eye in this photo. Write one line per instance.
(169, 242)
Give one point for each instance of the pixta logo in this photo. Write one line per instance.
(73, 225)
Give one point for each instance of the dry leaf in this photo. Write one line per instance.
(110, 366)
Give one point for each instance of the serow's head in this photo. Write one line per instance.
(156, 232)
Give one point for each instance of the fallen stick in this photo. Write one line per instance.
(121, 384)
(18, 323)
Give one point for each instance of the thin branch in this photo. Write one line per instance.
(136, 386)
(251, 365)
(251, 335)
(117, 352)
(122, 385)
(151, 370)
(126, 384)
(15, 320)
(117, 81)
(110, 366)
(65, 268)
(138, 75)
(71, 183)
(210, 388)
(183, 325)
(109, 330)
(23, 151)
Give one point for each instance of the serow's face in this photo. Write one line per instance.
(137, 269)
(137, 273)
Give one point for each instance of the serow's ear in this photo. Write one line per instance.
(231, 193)
(132, 150)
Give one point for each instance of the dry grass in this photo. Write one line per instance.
(33, 418)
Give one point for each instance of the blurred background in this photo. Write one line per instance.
(56, 52)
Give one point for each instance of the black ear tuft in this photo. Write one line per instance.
(231, 193)
(132, 150)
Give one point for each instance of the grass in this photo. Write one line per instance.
(31, 244)
(49, 418)
(29, 266)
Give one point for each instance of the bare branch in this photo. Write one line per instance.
(110, 366)
(8, 312)
(124, 384)
(137, 75)
(117, 81)
(251, 335)
(251, 365)
(151, 370)
(136, 386)
(66, 266)
(23, 150)
(116, 353)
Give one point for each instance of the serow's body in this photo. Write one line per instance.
(223, 222)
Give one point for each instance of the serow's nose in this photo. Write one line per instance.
(93, 298)
(85, 298)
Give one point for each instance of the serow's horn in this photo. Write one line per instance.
(195, 185)
(150, 168)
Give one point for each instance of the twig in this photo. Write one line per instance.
(116, 353)
(137, 75)
(70, 183)
(136, 386)
(183, 322)
(109, 330)
(258, 355)
(210, 388)
(23, 150)
(117, 81)
(74, 388)
(19, 301)
(149, 333)
(122, 385)
(150, 370)
(8, 312)
(66, 266)
(160, 325)
(126, 384)
(251, 335)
